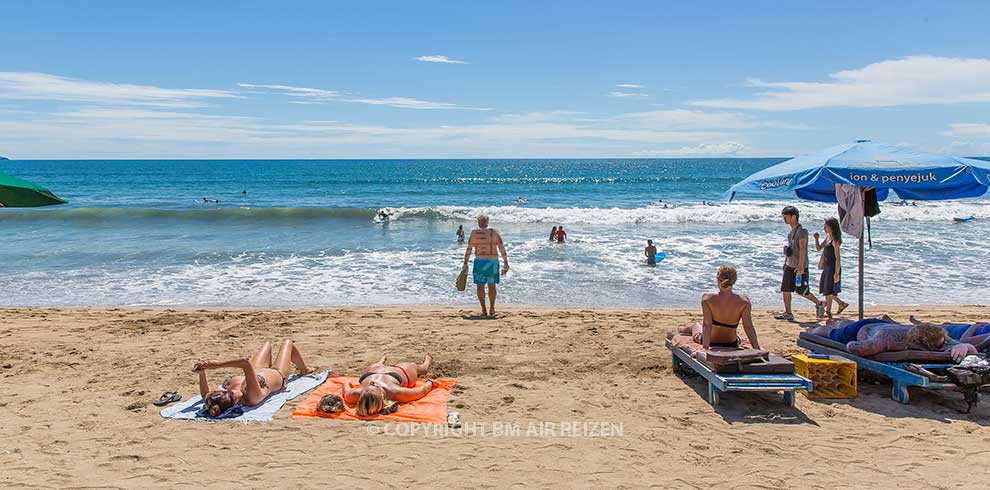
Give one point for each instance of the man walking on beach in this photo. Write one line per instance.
(486, 244)
(795, 278)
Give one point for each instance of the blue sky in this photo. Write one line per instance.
(498, 79)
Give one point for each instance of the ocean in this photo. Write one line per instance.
(139, 233)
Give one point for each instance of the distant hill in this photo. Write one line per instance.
(4, 158)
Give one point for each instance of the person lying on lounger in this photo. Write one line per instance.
(382, 383)
(259, 380)
(970, 333)
(875, 335)
(721, 314)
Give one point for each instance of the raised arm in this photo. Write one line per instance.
(204, 385)
(350, 395)
(747, 323)
(405, 395)
(818, 245)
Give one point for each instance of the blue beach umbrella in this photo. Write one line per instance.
(911, 174)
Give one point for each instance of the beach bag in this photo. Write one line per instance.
(462, 280)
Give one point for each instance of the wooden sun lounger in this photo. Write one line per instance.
(900, 377)
(718, 383)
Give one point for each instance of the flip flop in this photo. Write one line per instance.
(166, 398)
(842, 308)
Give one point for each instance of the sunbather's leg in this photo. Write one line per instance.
(414, 370)
(288, 355)
(263, 358)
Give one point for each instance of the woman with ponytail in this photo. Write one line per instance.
(722, 312)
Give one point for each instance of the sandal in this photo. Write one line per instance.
(166, 398)
(842, 307)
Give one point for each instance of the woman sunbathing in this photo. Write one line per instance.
(382, 383)
(721, 314)
(872, 336)
(970, 333)
(259, 380)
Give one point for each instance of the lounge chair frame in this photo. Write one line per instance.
(900, 377)
(719, 383)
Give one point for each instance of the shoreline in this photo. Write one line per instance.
(79, 382)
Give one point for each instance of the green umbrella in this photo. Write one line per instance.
(17, 193)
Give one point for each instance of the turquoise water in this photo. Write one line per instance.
(139, 233)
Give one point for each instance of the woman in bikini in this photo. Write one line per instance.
(259, 380)
(382, 383)
(722, 312)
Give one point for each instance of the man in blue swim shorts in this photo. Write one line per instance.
(486, 244)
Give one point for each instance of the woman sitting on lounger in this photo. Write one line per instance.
(721, 314)
(872, 336)
(259, 380)
(382, 383)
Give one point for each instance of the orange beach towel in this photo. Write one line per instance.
(432, 408)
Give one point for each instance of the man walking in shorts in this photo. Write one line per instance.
(796, 266)
(486, 244)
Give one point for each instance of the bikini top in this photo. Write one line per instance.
(724, 325)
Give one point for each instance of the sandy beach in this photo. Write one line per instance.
(75, 410)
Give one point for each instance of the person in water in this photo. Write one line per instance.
(721, 314)
(382, 383)
(872, 336)
(486, 243)
(460, 234)
(651, 253)
(553, 233)
(561, 234)
(260, 377)
(382, 215)
(830, 284)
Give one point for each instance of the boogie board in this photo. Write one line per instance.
(659, 258)
(963, 219)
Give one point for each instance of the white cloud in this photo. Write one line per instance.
(43, 86)
(626, 94)
(727, 148)
(408, 103)
(908, 81)
(294, 91)
(316, 94)
(629, 85)
(968, 130)
(436, 58)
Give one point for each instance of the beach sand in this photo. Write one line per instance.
(77, 384)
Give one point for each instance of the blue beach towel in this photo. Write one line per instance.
(192, 409)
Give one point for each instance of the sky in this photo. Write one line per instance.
(508, 79)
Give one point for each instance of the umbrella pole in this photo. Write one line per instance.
(861, 275)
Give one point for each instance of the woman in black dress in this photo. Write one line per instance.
(830, 284)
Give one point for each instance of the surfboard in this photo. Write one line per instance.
(963, 219)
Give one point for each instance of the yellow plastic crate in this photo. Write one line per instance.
(834, 377)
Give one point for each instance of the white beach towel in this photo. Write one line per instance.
(192, 408)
